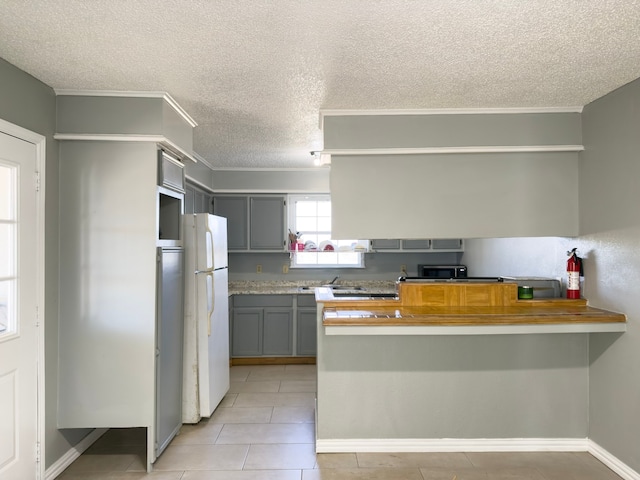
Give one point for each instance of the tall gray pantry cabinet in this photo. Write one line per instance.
(122, 273)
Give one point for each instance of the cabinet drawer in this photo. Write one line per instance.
(263, 301)
(306, 300)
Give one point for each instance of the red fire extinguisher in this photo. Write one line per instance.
(574, 272)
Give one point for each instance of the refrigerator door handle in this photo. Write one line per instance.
(213, 301)
(197, 272)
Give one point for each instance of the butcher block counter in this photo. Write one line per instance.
(445, 304)
(455, 367)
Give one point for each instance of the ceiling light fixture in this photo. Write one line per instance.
(320, 159)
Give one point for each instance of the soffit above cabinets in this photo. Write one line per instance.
(254, 75)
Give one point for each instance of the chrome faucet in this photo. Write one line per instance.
(334, 280)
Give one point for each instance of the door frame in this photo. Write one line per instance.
(39, 177)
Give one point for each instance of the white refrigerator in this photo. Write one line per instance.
(206, 316)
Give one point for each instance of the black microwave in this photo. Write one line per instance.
(442, 271)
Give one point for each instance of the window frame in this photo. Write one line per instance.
(297, 256)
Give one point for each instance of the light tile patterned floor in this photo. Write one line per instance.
(264, 430)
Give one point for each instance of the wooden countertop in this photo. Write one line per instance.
(466, 305)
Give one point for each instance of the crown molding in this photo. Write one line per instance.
(131, 94)
(445, 111)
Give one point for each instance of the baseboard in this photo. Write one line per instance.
(452, 445)
(273, 361)
(73, 453)
(612, 462)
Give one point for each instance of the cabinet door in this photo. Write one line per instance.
(235, 210)
(169, 332)
(247, 332)
(306, 332)
(416, 244)
(385, 244)
(447, 244)
(278, 328)
(267, 223)
(189, 196)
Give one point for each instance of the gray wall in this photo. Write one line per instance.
(610, 232)
(610, 227)
(27, 102)
(303, 180)
(451, 193)
(378, 266)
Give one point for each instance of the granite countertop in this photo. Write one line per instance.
(255, 287)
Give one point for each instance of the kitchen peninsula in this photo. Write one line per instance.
(454, 367)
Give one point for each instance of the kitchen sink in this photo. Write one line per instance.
(343, 287)
(334, 287)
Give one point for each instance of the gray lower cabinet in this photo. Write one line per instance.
(277, 332)
(263, 325)
(246, 332)
(306, 333)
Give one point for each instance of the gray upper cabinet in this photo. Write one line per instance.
(236, 210)
(416, 245)
(254, 222)
(447, 244)
(267, 227)
(385, 244)
(197, 201)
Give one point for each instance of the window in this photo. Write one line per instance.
(310, 225)
(8, 248)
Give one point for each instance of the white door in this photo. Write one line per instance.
(19, 345)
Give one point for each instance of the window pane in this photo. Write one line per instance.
(309, 258)
(305, 209)
(7, 312)
(307, 224)
(328, 258)
(7, 192)
(7, 249)
(324, 209)
(324, 224)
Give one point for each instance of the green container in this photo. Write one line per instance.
(525, 293)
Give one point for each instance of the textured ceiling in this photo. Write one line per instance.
(255, 74)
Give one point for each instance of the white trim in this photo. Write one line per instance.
(450, 150)
(621, 468)
(475, 329)
(394, 445)
(201, 159)
(127, 93)
(73, 453)
(273, 190)
(198, 184)
(391, 445)
(445, 111)
(40, 143)
(107, 137)
(267, 169)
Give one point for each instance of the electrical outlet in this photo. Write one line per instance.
(403, 268)
(258, 268)
(285, 268)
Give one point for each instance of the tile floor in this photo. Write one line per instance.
(264, 430)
